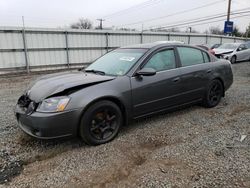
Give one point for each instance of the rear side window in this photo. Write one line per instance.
(190, 56)
(163, 60)
(205, 56)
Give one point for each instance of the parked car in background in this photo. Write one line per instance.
(206, 48)
(233, 52)
(247, 44)
(127, 83)
(215, 46)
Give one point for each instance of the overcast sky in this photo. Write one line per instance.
(60, 13)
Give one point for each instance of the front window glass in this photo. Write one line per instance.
(117, 62)
(163, 60)
(230, 46)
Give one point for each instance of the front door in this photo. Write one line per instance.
(160, 91)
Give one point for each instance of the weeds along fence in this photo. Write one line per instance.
(33, 49)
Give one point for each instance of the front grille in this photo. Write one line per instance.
(27, 104)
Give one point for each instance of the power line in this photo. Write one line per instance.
(205, 17)
(201, 20)
(173, 14)
(213, 21)
(133, 8)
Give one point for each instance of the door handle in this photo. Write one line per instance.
(209, 71)
(176, 79)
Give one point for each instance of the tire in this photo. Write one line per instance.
(214, 94)
(233, 59)
(101, 123)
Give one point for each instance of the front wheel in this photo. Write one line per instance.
(214, 94)
(101, 123)
(233, 59)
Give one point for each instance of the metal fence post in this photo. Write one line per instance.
(168, 36)
(25, 51)
(141, 37)
(67, 48)
(189, 39)
(220, 40)
(206, 39)
(107, 41)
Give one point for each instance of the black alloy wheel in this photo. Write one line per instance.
(214, 94)
(101, 123)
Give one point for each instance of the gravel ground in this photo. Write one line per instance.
(193, 147)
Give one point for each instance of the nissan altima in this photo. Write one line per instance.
(125, 84)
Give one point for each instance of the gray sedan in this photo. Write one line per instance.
(233, 52)
(125, 84)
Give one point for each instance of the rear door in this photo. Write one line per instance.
(195, 71)
(160, 91)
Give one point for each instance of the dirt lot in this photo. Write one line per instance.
(193, 147)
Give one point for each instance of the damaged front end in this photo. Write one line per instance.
(26, 105)
(43, 111)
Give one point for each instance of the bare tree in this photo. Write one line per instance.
(174, 30)
(82, 23)
(236, 32)
(215, 30)
(247, 32)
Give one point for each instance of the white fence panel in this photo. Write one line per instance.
(43, 40)
(179, 38)
(116, 40)
(12, 59)
(153, 38)
(227, 40)
(11, 40)
(86, 40)
(55, 48)
(84, 56)
(213, 40)
(198, 40)
(39, 58)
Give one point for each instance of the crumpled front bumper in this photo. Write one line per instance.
(49, 125)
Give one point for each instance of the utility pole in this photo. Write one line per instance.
(190, 29)
(101, 20)
(23, 22)
(229, 10)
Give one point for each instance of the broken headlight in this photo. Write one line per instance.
(54, 104)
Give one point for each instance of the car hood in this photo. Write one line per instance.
(52, 84)
(222, 51)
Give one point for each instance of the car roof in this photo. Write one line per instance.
(154, 44)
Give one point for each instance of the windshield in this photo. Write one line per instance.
(230, 46)
(117, 62)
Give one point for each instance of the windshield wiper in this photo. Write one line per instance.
(96, 71)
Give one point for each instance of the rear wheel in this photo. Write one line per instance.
(101, 123)
(233, 59)
(214, 94)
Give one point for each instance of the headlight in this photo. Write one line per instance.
(54, 104)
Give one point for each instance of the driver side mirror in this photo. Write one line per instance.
(146, 72)
(239, 49)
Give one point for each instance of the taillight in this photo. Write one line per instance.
(211, 51)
